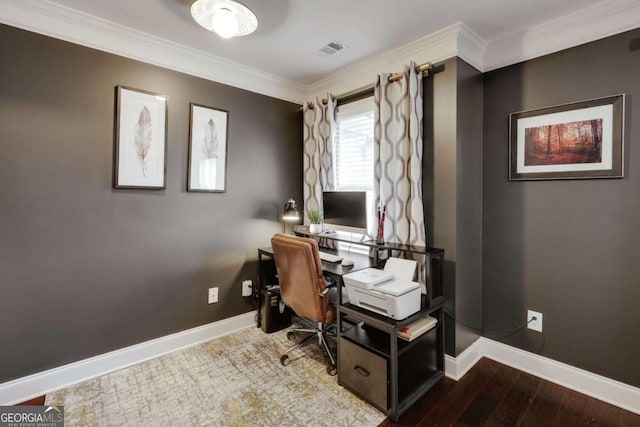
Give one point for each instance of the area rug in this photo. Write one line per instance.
(235, 380)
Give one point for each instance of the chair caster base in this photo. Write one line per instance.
(284, 360)
(332, 370)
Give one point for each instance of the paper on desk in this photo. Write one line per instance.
(403, 269)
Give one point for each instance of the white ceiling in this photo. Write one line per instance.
(291, 31)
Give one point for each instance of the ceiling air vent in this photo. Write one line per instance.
(330, 48)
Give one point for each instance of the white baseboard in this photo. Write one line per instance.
(594, 385)
(456, 367)
(26, 388)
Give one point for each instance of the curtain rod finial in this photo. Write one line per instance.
(425, 68)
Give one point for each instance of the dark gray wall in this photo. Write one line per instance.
(452, 191)
(440, 177)
(468, 306)
(568, 249)
(86, 269)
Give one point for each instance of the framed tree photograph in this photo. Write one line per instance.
(207, 168)
(140, 139)
(572, 141)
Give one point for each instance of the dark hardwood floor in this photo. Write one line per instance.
(38, 401)
(492, 394)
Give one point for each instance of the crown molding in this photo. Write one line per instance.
(47, 18)
(50, 19)
(612, 17)
(433, 48)
(583, 26)
(471, 47)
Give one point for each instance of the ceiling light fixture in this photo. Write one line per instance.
(227, 18)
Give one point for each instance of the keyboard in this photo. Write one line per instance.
(329, 257)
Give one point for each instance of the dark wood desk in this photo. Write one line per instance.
(433, 257)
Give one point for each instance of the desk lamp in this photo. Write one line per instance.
(290, 212)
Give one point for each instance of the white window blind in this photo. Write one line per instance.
(354, 146)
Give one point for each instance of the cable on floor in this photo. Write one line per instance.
(509, 331)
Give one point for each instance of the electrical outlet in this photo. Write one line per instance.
(247, 288)
(213, 295)
(535, 325)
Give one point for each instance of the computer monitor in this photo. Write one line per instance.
(345, 210)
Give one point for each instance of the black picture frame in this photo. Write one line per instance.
(580, 140)
(140, 139)
(208, 137)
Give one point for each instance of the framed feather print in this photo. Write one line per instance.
(207, 168)
(140, 139)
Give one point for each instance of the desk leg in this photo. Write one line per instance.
(393, 377)
(338, 322)
(259, 290)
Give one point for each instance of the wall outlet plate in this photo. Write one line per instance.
(247, 288)
(213, 295)
(535, 325)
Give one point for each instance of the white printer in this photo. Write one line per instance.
(390, 292)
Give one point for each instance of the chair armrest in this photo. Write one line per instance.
(330, 283)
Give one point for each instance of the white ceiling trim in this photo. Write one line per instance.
(471, 47)
(583, 26)
(433, 48)
(44, 17)
(589, 24)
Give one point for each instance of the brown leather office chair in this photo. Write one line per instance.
(304, 289)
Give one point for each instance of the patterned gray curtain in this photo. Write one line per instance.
(398, 159)
(318, 152)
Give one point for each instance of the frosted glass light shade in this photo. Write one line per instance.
(290, 212)
(227, 18)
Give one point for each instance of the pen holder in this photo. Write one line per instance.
(381, 214)
(380, 236)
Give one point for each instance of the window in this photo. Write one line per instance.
(353, 140)
(353, 150)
